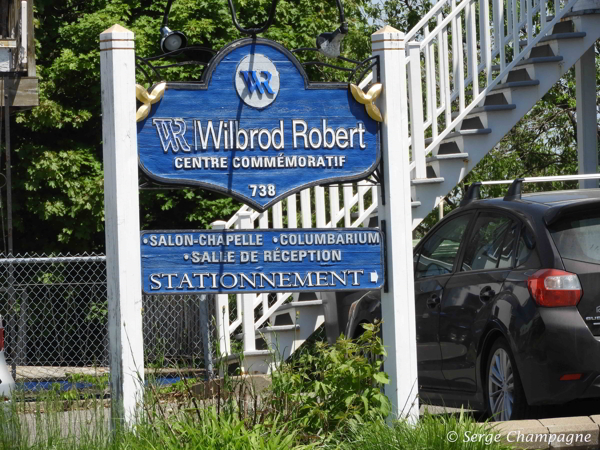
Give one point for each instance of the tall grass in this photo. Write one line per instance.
(431, 432)
(330, 398)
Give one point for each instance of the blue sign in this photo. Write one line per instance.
(260, 261)
(256, 129)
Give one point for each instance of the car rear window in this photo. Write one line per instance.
(578, 237)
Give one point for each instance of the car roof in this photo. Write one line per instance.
(539, 204)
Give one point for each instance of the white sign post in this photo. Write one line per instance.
(398, 303)
(123, 261)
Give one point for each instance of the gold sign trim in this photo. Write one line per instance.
(148, 99)
(368, 99)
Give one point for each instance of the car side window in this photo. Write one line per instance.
(527, 256)
(508, 247)
(440, 251)
(488, 246)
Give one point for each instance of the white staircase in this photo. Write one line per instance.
(451, 124)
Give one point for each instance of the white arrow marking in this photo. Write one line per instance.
(374, 277)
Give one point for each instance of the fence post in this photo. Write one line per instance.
(395, 219)
(245, 222)
(123, 260)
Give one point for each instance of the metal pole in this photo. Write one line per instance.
(11, 292)
(8, 167)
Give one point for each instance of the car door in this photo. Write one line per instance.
(486, 262)
(435, 261)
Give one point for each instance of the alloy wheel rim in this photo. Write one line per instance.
(501, 387)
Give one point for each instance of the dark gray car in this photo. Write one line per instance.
(507, 298)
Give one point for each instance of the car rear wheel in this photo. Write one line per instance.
(505, 397)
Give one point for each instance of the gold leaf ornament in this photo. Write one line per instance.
(148, 99)
(368, 99)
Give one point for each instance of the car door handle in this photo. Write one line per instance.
(433, 301)
(487, 293)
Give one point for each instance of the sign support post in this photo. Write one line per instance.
(398, 297)
(123, 260)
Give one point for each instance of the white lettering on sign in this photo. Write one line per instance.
(254, 280)
(228, 135)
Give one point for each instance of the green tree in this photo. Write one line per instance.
(57, 167)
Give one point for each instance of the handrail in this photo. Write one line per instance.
(497, 80)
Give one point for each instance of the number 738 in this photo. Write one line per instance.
(263, 190)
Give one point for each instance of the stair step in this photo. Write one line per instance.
(541, 51)
(234, 357)
(567, 35)
(540, 60)
(510, 84)
(448, 156)
(557, 36)
(565, 26)
(518, 75)
(291, 305)
(415, 204)
(418, 181)
(276, 328)
(487, 108)
(271, 329)
(472, 123)
(462, 133)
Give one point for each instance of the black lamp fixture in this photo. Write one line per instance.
(329, 44)
(170, 41)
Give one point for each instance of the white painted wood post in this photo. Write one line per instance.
(245, 222)
(24, 29)
(121, 203)
(587, 120)
(222, 309)
(398, 304)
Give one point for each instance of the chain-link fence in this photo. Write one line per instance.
(55, 316)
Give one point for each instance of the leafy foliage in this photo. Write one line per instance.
(57, 167)
(325, 387)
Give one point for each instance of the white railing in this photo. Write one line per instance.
(347, 205)
(443, 65)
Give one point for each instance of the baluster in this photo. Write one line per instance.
(515, 16)
(522, 13)
(556, 7)
(433, 87)
(416, 110)
(472, 48)
(484, 32)
(277, 215)
(263, 220)
(347, 202)
(542, 14)
(509, 20)
(499, 15)
(247, 299)
(305, 208)
(428, 83)
(334, 204)
(320, 206)
(445, 73)
(222, 310)
(529, 21)
(291, 211)
(361, 190)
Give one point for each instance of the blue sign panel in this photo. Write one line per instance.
(256, 129)
(258, 261)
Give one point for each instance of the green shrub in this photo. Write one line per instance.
(323, 387)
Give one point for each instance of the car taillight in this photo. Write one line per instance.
(552, 287)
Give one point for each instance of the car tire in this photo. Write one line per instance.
(504, 394)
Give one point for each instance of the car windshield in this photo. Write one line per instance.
(577, 237)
